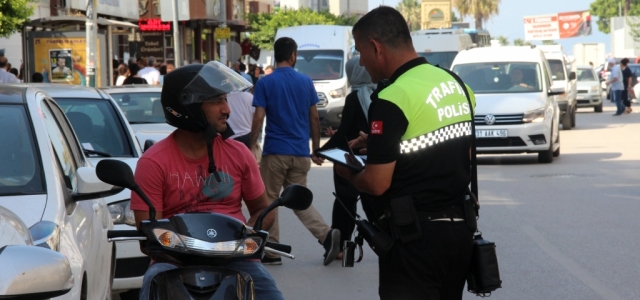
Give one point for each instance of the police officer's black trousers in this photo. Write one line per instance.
(435, 267)
(340, 218)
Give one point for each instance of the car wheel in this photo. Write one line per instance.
(566, 121)
(545, 157)
(573, 117)
(598, 108)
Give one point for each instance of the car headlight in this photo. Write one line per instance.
(594, 88)
(534, 116)
(341, 92)
(121, 213)
(46, 234)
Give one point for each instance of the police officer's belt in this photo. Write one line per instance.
(453, 212)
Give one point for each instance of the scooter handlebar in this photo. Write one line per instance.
(280, 247)
(123, 234)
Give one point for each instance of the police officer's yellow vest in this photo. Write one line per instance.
(434, 104)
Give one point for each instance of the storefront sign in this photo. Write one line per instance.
(223, 33)
(152, 45)
(557, 26)
(153, 25)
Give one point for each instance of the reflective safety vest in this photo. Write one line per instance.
(434, 104)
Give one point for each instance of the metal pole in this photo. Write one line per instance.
(223, 42)
(348, 8)
(91, 41)
(110, 51)
(177, 45)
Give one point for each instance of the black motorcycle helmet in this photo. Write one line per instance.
(187, 87)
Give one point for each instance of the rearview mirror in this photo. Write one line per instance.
(115, 172)
(556, 90)
(148, 144)
(572, 76)
(296, 197)
(30, 272)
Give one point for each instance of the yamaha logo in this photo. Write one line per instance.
(490, 119)
(211, 233)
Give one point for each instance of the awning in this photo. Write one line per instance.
(62, 21)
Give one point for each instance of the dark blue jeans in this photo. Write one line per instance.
(617, 97)
(264, 285)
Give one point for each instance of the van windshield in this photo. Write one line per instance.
(321, 64)
(442, 59)
(501, 77)
(557, 67)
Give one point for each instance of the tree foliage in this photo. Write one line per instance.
(410, 10)
(549, 42)
(265, 25)
(606, 9)
(13, 13)
(520, 42)
(504, 41)
(480, 10)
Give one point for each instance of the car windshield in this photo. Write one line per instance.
(97, 126)
(501, 77)
(141, 108)
(586, 75)
(21, 171)
(442, 59)
(321, 64)
(556, 69)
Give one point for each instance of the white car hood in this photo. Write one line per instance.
(126, 194)
(586, 85)
(29, 208)
(155, 132)
(505, 104)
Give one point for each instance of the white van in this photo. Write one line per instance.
(440, 46)
(323, 51)
(564, 75)
(516, 107)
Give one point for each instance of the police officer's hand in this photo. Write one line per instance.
(360, 142)
(317, 160)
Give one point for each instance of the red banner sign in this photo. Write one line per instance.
(153, 25)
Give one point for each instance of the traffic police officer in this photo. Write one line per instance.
(418, 162)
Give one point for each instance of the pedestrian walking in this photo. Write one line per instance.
(288, 100)
(627, 91)
(615, 82)
(418, 165)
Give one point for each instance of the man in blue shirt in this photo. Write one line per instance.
(288, 99)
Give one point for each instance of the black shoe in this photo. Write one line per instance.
(271, 261)
(331, 246)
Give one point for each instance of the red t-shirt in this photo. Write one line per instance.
(177, 184)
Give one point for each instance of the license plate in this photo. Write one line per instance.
(503, 133)
(580, 97)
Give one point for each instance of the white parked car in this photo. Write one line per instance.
(103, 132)
(589, 90)
(47, 181)
(563, 75)
(516, 107)
(142, 108)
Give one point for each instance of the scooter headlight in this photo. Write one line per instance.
(168, 238)
(242, 247)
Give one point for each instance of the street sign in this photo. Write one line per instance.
(223, 33)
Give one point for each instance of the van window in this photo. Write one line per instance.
(321, 64)
(557, 69)
(442, 59)
(501, 77)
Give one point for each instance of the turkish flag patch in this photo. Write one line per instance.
(376, 127)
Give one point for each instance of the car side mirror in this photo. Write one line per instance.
(23, 269)
(572, 76)
(91, 187)
(556, 90)
(148, 144)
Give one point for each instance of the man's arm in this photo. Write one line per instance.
(255, 207)
(375, 179)
(314, 125)
(256, 126)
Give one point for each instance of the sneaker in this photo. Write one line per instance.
(331, 246)
(271, 261)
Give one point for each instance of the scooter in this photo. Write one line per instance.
(200, 243)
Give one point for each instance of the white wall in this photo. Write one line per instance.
(354, 7)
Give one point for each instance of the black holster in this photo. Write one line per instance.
(404, 222)
(470, 205)
(379, 241)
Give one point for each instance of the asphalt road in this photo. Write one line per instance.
(565, 230)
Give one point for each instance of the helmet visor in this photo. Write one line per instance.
(214, 79)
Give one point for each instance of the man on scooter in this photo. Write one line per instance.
(179, 174)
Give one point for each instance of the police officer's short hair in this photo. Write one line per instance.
(283, 48)
(385, 25)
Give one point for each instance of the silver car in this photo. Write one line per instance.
(589, 90)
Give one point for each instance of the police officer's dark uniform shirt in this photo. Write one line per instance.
(421, 119)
